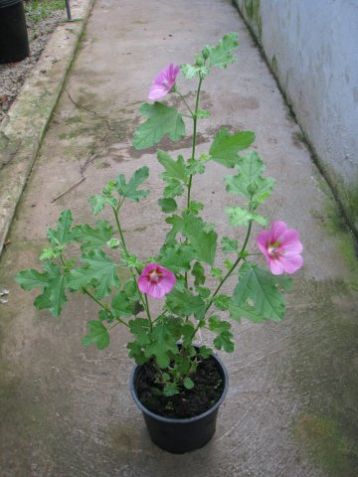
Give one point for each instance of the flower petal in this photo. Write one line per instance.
(292, 263)
(275, 266)
(163, 82)
(278, 228)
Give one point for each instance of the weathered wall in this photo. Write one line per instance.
(312, 47)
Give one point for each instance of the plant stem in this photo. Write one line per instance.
(148, 312)
(143, 297)
(195, 120)
(115, 212)
(185, 102)
(104, 306)
(237, 261)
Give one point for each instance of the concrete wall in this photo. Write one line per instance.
(312, 47)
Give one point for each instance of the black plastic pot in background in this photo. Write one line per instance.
(14, 43)
(181, 435)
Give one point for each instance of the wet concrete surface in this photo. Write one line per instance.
(291, 407)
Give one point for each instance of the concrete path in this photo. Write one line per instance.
(66, 411)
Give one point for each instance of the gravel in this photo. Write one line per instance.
(13, 75)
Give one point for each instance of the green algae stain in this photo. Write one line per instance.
(252, 9)
(323, 366)
(274, 65)
(328, 445)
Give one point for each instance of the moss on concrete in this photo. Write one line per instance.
(252, 10)
(328, 445)
(324, 369)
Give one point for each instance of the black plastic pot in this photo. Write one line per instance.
(14, 43)
(180, 435)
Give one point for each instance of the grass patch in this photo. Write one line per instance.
(37, 10)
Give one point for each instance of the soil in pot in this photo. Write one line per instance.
(209, 386)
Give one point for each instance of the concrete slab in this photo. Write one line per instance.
(23, 129)
(66, 411)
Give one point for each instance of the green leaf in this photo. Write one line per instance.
(176, 257)
(170, 389)
(203, 113)
(222, 302)
(237, 312)
(195, 207)
(97, 335)
(123, 305)
(190, 71)
(203, 292)
(238, 216)
(131, 260)
(193, 71)
(163, 344)
(53, 296)
(228, 263)
(99, 201)
(224, 339)
(174, 188)
(222, 54)
(188, 383)
(201, 237)
(130, 190)
(168, 205)
(136, 352)
(30, 278)
(249, 181)
(98, 271)
(258, 294)
(62, 234)
(162, 121)
(51, 253)
(113, 243)
(199, 274)
(205, 352)
(216, 273)
(140, 329)
(183, 303)
(173, 169)
(188, 332)
(177, 224)
(225, 146)
(195, 166)
(229, 245)
(93, 237)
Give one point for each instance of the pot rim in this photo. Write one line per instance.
(179, 420)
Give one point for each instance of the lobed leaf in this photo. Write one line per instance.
(249, 181)
(238, 216)
(62, 234)
(93, 237)
(130, 190)
(162, 121)
(222, 54)
(97, 335)
(225, 146)
(258, 295)
(201, 237)
(98, 271)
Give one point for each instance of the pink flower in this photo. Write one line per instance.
(163, 82)
(281, 247)
(156, 281)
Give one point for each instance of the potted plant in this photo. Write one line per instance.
(178, 382)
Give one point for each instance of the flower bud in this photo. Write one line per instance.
(252, 189)
(205, 52)
(199, 61)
